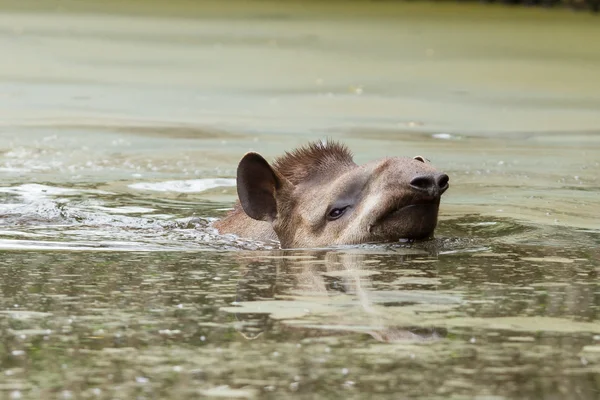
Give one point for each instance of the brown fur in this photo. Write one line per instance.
(292, 199)
(314, 160)
(240, 224)
(317, 159)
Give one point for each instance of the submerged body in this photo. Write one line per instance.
(316, 196)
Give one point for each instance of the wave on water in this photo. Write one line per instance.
(44, 217)
(184, 186)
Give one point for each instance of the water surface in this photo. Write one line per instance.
(121, 124)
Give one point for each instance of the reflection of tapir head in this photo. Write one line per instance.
(317, 196)
(259, 282)
(268, 275)
(320, 278)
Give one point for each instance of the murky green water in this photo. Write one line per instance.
(121, 124)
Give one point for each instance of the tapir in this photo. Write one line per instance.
(317, 196)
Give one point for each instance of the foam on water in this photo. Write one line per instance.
(184, 186)
(59, 218)
(34, 191)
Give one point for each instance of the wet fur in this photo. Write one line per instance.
(290, 200)
(315, 161)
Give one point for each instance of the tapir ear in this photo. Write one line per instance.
(257, 186)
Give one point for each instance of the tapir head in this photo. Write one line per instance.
(317, 196)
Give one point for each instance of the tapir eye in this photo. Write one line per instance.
(336, 213)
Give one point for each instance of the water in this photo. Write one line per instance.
(121, 124)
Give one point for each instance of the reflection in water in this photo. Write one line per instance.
(491, 306)
(326, 282)
(513, 320)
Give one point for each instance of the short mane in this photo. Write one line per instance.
(314, 158)
(321, 158)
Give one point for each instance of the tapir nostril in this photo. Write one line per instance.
(442, 181)
(423, 182)
(433, 184)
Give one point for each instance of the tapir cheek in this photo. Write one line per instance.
(369, 205)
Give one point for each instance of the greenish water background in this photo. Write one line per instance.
(121, 124)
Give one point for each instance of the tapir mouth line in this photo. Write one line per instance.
(427, 201)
